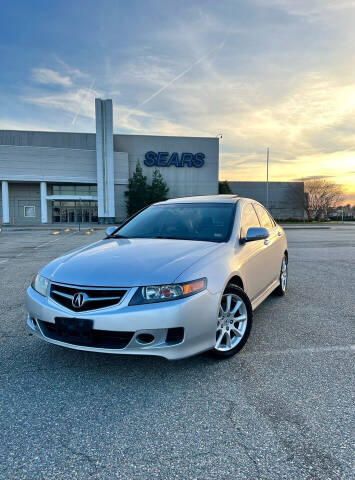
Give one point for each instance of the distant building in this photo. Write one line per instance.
(55, 177)
(286, 199)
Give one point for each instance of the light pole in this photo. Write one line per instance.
(267, 178)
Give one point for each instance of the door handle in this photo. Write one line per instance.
(266, 242)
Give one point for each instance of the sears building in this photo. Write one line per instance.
(53, 177)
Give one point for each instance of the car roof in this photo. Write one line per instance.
(204, 199)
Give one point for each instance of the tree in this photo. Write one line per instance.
(138, 191)
(321, 196)
(159, 189)
(224, 188)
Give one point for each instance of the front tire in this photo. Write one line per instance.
(282, 288)
(234, 322)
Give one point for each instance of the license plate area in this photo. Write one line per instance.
(79, 330)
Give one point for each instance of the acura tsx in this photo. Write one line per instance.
(181, 277)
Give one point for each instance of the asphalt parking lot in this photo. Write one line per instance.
(281, 409)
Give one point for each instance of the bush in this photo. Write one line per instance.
(158, 190)
(224, 188)
(138, 191)
(140, 194)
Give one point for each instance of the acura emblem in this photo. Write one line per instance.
(78, 299)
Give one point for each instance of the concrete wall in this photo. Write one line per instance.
(47, 164)
(84, 141)
(57, 157)
(285, 198)
(71, 157)
(55, 164)
(181, 181)
(21, 195)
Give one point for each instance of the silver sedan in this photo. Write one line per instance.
(181, 277)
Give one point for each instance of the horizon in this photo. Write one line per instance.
(271, 73)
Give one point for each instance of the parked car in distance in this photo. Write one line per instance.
(181, 277)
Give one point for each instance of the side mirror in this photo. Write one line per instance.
(110, 230)
(255, 233)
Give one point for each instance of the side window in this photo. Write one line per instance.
(272, 220)
(264, 218)
(249, 219)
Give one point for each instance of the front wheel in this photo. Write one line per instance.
(234, 322)
(282, 288)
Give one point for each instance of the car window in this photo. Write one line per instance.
(264, 218)
(249, 219)
(272, 220)
(211, 222)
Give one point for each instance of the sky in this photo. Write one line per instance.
(263, 73)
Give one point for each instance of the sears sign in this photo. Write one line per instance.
(165, 159)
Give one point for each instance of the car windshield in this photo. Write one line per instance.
(210, 222)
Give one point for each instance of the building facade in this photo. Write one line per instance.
(285, 200)
(54, 177)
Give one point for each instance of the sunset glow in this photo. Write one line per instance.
(263, 73)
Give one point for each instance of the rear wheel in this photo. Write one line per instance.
(282, 288)
(234, 322)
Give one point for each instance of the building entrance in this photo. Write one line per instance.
(74, 212)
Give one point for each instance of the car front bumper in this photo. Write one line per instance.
(196, 314)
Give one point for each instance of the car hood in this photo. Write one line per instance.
(127, 262)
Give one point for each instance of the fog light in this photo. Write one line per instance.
(145, 338)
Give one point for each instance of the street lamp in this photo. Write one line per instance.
(267, 178)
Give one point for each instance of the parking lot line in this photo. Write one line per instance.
(3, 261)
(52, 241)
(298, 351)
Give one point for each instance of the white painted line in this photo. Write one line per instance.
(303, 351)
(55, 240)
(3, 261)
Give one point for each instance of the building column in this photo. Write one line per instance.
(104, 161)
(44, 210)
(5, 202)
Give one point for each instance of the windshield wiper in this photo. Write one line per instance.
(115, 236)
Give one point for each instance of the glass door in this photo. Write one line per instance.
(74, 212)
(63, 215)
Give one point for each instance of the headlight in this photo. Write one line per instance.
(40, 284)
(163, 293)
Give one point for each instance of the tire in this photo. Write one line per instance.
(282, 288)
(229, 323)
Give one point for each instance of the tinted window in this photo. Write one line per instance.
(249, 219)
(185, 221)
(263, 217)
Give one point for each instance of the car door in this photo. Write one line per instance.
(254, 275)
(271, 255)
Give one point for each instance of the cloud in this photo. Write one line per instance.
(277, 82)
(69, 70)
(24, 124)
(86, 94)
(48, 76)
(75, 98)
(313, 177)
(182, 74)
(78, 101)
(308, 8)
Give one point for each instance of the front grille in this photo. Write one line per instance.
(93, 298)
(97, 338)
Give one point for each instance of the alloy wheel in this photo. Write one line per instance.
(231, 323)
(283, 275)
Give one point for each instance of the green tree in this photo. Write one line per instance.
(224, 188)
(159, 189)
(138, 193)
